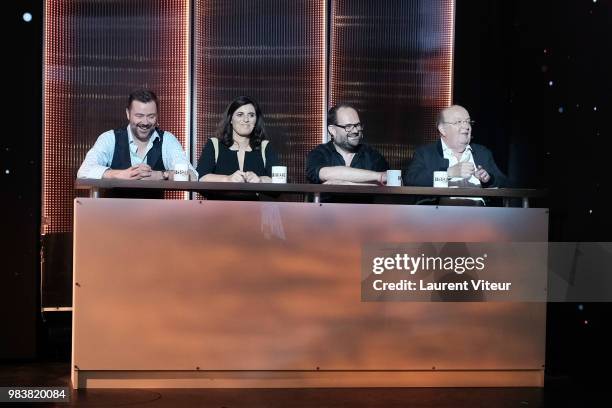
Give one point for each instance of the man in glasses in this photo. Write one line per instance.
(345, 159)
(138, 151)
(468, 164)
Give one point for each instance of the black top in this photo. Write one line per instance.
(430, 158)
(326, 155)
(227, 161)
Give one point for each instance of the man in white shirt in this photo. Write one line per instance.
(140, 151)
(455, 127)
(468, 165)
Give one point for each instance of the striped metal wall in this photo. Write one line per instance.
(273, 51)
(95, 53)
(392, 58)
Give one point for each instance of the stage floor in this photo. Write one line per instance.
(558, 394)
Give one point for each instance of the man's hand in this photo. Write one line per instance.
(146, 173)
(251, 177)
(155, 176)
(383, 178)
(462, 169)
(237, 177)
(132, 173)
(482, 175)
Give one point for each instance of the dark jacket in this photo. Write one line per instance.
(429, 158)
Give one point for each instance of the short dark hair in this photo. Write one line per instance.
(225, 131)
(332, 113)
(144, 96)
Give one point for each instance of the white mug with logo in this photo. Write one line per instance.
(279, 174)
(181, 172)
(394, 178)
(440, 179)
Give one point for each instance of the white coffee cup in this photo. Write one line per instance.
(394, 178)
(440, 179)
(181, 172)
(279, 174)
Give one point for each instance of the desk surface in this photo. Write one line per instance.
(203, 187)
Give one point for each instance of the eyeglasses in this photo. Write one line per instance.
(350, 127)
(467, 122)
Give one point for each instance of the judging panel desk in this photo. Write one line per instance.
(203, 293)
(95, 186)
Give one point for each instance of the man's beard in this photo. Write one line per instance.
(347, 146)
(148, 129)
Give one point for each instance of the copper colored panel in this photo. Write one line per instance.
(175, 285)
(273, 51)
(393, 60)
(95, 53)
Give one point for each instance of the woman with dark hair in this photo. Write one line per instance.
(240, 152)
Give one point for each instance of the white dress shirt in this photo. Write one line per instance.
(466, 157)
(100, 156)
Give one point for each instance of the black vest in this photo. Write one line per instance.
(121, 156)
(122, 161)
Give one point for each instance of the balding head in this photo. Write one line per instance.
(454, 126)
(444, 113)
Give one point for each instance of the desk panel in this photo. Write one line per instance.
(166, 286)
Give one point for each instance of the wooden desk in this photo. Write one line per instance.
(94, 187)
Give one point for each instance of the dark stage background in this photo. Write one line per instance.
(534, 75)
